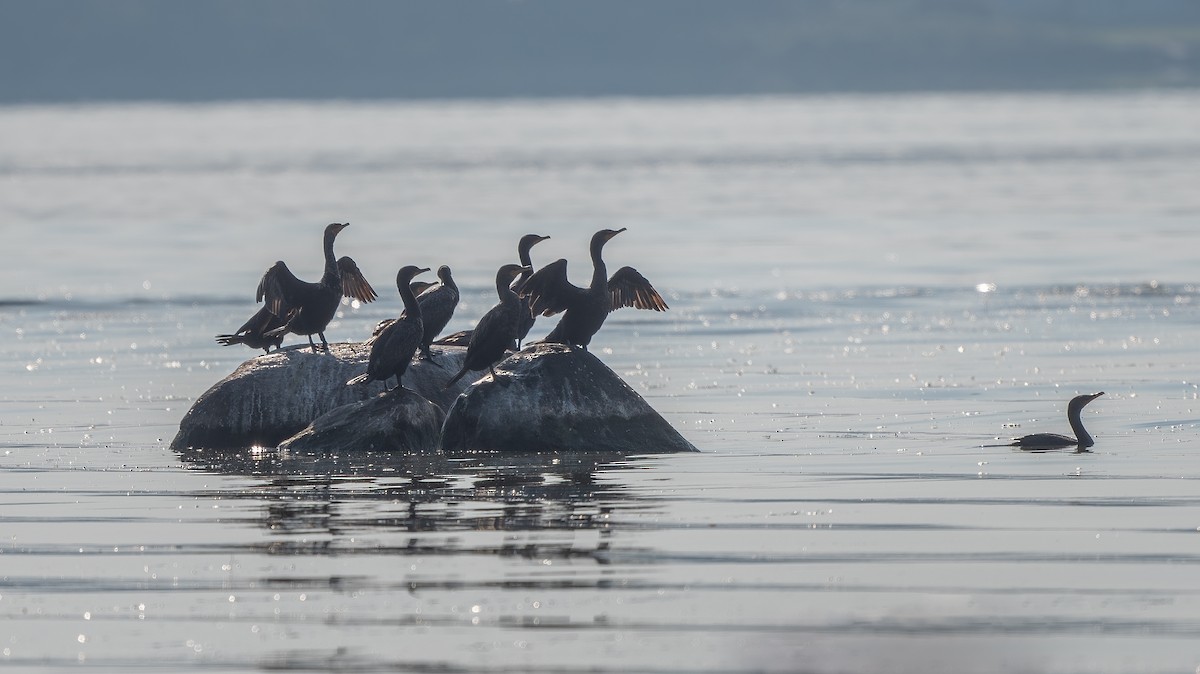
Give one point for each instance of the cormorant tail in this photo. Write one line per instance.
(460, 375)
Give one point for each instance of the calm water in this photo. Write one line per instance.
(866, 292)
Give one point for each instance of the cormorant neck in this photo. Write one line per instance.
(523, 253)
(1081, 435)
(333, 275)
(503, 288)
(411, 306)
(448, 281)
(599, 271)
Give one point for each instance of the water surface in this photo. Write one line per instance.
(867, 295)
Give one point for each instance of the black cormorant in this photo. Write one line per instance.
(550, 292)
(525, 324)
(395, 345)
(418, 287)
(1054, 441)
(252, 332)
(306, 307)
(437, 307)
(497, 330)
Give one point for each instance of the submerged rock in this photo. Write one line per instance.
(398, 420)
(275, 396)
(551, 398)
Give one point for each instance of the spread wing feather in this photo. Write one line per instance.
(354, 284)
(282, 290)
(630, 289)
(548, 290)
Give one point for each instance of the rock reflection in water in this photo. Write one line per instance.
(349, 496)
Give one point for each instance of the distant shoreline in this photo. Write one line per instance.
(567, 98)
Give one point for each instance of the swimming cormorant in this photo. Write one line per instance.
(550, 292)
(525, 323)
(306, 307)
(252, 332)
(395, 345)
(497, 330)
(437, 307)
(1054, 441)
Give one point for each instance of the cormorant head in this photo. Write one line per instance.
(1078, 402)
(529, 241)
(508, 272)
(407, 273)
(419, 287)
(333, 229)
(444, 274)
(601, 237)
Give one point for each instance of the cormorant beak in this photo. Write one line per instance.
(1097, 395)
(615, 232)
(421, 271)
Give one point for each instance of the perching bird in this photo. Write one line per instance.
(418, 288)
(1055, 441)
(437, 307)
(497, 330)
(393, 349)
(306, 308)
(252, 332)
(549, 292)
(527, 318)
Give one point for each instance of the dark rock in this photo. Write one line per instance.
(398, 420)
(551, 398)
(274, 396)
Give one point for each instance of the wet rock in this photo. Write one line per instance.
(550, 398)
(398, 420)
(274, 396)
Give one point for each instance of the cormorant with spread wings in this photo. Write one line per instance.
(549, 292)
(306, 308)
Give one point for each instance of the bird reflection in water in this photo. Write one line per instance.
(340, 504)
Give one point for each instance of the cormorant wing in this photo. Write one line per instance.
(630, 289)
(282, 290)
(490, 323)
(354, 284)
(260, 322)
(548, 290)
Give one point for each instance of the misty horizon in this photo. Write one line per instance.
(124, 50)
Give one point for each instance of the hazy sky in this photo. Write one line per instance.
(54, 50)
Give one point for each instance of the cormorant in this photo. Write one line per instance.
(252, 332)
(497, 330)
(437, 307)
(393, 349)
(1054, 441)
(550, 292)
(306, 307)
(525, 324)
(418, 287)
